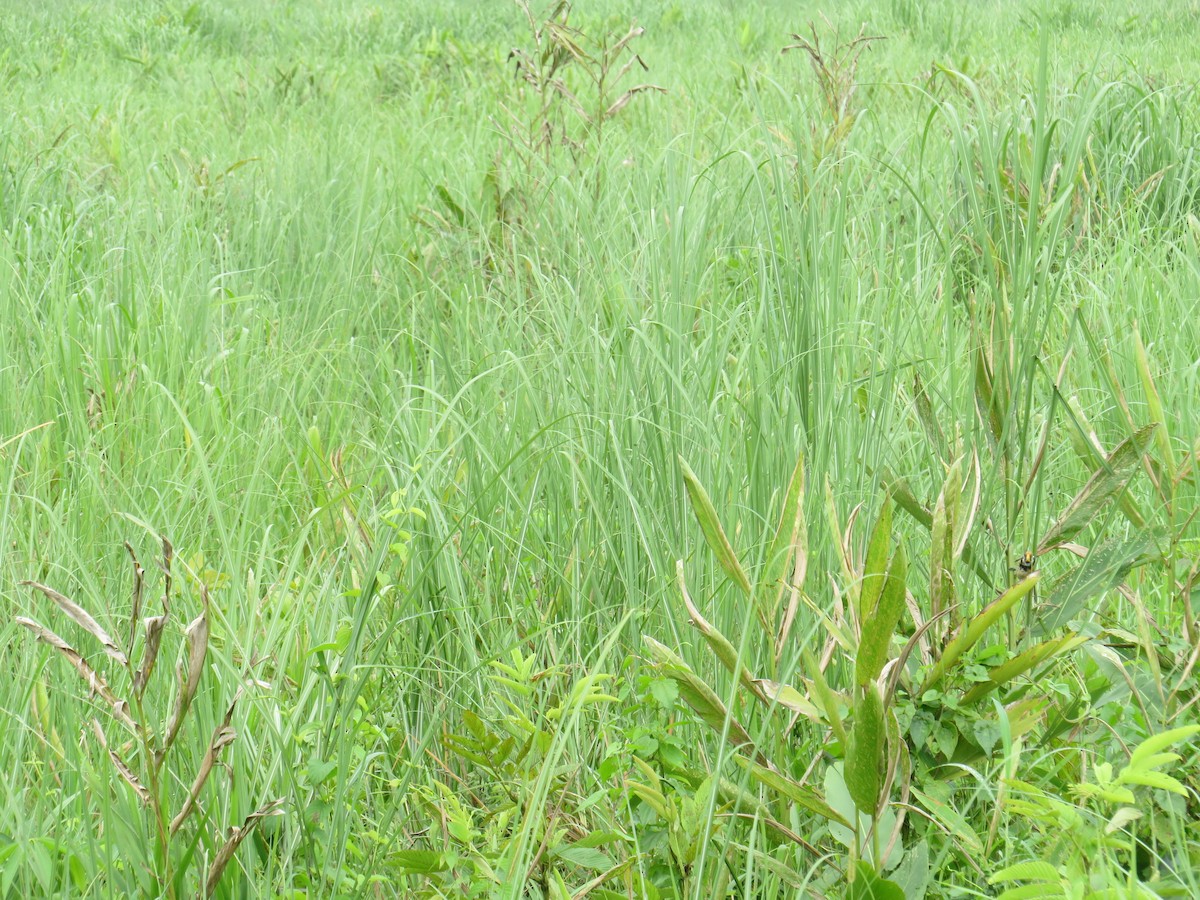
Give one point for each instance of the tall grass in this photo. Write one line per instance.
(409, 405)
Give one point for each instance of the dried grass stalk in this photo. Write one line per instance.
(223, 736)
(139, 581)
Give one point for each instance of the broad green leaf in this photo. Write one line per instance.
(421, 862)
(913, 872)
(867, 885)
(1156, 743)
(584, 857)
(864, 757)
(971, 631)
(878, 628)
(800, 794)
(714, 534)
(876, 562)
(1150, 778)
(1106, 483)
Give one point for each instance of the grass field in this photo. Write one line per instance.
(777, 484)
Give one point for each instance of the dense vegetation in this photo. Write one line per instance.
(550, 460)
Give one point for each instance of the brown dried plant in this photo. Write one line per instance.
(836, 71)
(143, 761)
(604, 61)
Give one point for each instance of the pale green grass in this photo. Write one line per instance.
(214, 276)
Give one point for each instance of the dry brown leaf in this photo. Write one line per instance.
(83, 619)
(94, 680)
(139, 579)
(236, 836)
(197, 650)
(154, 631)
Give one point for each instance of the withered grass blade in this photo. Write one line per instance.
(139, 582)
(154, 632)
(94, 680)
(168, 554)
(236, 836)
(222, 737)
(197, 650)
(83, 619)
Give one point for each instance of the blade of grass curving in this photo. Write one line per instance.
(237, 835)
(701, 698)
(725, 652)
(222, 737)
(197, 649)
(93, 679)
(789, 545)
(710, 525)
(1106, 483)
(972, 630)
(802, 795)
(1000, 675)
(83, 619)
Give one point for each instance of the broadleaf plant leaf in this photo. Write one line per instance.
(710, 525)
